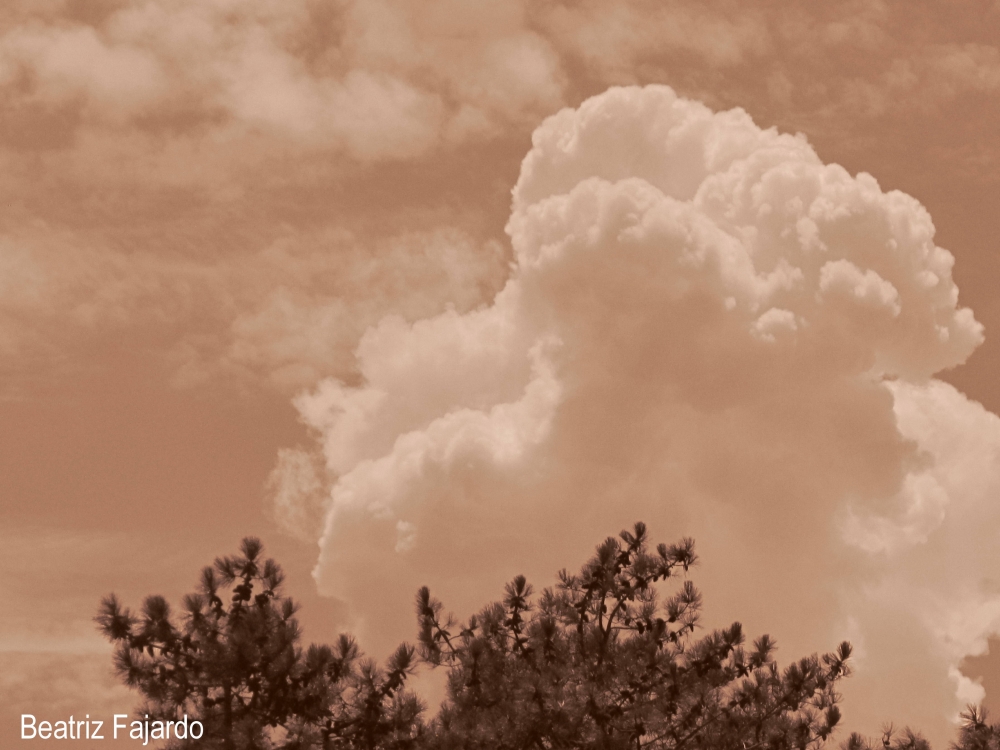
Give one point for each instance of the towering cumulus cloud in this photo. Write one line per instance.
(709, 329)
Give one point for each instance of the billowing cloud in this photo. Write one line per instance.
(150, 152)
(709, 329)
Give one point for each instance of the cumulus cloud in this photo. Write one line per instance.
(205, 126)
(709, 329)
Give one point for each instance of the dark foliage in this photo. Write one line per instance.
(976, 732)
(891, 739)
(233, 661)
(600, 662)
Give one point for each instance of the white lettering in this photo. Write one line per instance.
(25, 726)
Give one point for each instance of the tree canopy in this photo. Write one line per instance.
(234, 662)
(609, 657)
(601, 662)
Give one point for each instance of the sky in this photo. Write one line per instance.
(441, 293)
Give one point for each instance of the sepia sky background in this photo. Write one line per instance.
(262, 271)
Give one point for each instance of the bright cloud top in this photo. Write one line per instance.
(708, 329)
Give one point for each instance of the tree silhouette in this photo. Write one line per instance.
(600, 662)
(976, 733)
(891, 739)
(234, 664)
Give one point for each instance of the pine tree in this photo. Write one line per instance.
(600, 662)
(976, 733)
(234, 664)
